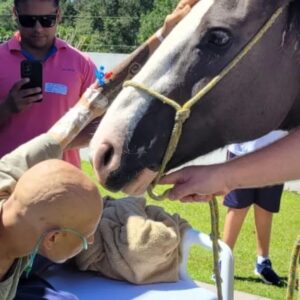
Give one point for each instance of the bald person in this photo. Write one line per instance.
(54, 211)
(47, 206)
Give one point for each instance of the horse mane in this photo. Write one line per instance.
(294, 16)
(293, 25)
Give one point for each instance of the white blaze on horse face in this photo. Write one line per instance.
(158, 71)
(159, 74)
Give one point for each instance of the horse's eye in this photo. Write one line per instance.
(218, 37)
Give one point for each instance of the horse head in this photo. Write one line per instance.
(258, 95)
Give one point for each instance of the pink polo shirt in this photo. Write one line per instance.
(66, 75)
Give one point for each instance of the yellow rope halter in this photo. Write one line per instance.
(182, 114)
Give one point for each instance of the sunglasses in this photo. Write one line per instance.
(29, 21)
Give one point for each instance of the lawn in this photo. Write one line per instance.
(286, 227)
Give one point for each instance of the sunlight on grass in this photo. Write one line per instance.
(286, 227)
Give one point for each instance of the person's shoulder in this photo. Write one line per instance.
(11, 44)
(4, 46)
(72, 50)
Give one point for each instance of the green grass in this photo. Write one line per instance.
(286, 227)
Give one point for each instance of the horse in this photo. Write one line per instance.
(261, 93)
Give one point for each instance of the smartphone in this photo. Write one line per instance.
(34, 71)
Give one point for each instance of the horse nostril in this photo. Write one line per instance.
(105, 160)
(108, 155)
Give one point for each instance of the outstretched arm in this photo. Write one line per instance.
(50, 145)
(273, 164)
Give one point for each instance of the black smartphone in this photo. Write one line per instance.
(34, 71)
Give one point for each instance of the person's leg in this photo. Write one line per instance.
(263, 224)
(238, 202)
(233, 223)
(267, 202)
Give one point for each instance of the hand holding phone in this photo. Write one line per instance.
(34, 71)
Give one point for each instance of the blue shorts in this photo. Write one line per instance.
(267, 198)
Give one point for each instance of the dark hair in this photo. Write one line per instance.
(16, 2)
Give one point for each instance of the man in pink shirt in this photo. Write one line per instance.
(66, 74)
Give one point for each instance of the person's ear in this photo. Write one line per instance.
(50, 239)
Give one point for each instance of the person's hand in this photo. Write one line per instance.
(19, 99)
(181, 10)
(197, 183)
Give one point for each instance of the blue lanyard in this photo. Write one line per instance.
(30, 57)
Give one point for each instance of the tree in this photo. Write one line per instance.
(7, 23)
(101, 25)
(114, 24)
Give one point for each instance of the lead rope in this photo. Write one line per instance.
(182, 114)
(215, 236)
(295, 263)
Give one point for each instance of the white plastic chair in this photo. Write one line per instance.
(88, 286)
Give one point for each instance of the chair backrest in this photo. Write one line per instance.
(192, 237)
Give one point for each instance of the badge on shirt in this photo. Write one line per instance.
(56, 88)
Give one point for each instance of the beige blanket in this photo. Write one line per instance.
(135, 242)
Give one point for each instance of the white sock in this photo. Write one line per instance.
(261, 259)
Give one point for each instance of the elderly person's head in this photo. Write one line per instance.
(54, 210)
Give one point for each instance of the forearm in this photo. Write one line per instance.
(273, 164)
(50, 145)
(14, 164)
(91, 105)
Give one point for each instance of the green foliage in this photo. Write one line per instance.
(7, 23)
(101, 25)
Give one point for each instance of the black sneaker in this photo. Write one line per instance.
(266, 273)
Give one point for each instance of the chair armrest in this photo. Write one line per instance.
(192, 237)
